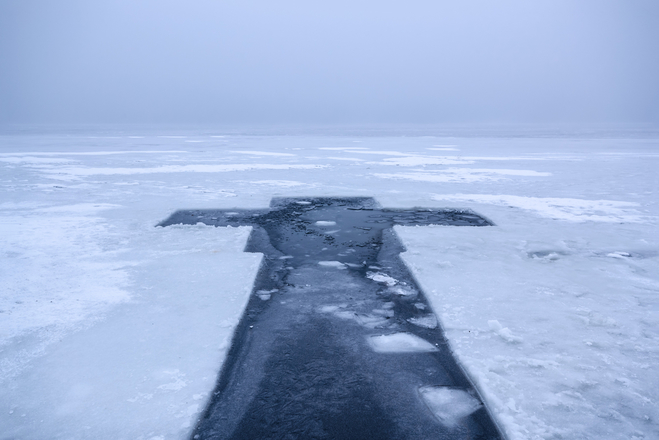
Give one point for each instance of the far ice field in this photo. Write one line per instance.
(111, 328)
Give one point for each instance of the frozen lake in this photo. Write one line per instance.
(113, 328)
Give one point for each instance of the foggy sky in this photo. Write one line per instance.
(333, 61)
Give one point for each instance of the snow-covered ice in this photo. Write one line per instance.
(113, 328)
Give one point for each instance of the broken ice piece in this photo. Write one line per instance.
(449, 405)
(303, 202)
(400, 343)
(336, 264)
(325, 223)
(382, 278)
(420, 306)
(266, 294)
(427, 321)
(371, 321)
(403, 291)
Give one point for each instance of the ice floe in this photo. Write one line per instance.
(400, 343)
(449, 405)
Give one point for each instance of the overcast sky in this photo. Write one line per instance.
(329, 61)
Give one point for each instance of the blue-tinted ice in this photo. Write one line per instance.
(338, 341)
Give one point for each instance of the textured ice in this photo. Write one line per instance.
(576, 210)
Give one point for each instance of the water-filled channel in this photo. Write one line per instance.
(337, 340)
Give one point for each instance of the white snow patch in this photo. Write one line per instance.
(574, 210)
(503, 332)
(262, 153)
(280, 183)
(165, 169)
(415, 161)
(349, 159)
(325, 223)
(464, 175)
(444, 148)
(34, 160)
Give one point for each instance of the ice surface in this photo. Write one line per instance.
(449, 405)
(67, 173)
(104, 317)
(578, 210)
(400, 343)
(124, 371)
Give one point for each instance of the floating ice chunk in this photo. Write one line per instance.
(427, 321)
(266, 294)
(371, 321)
(325, 223)
(403, 291)
(384, 312)
(449, 405)
(286, 257)
(303, 202)
(336, 264)
(382, 278)
(420, 306)
(400, 343)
